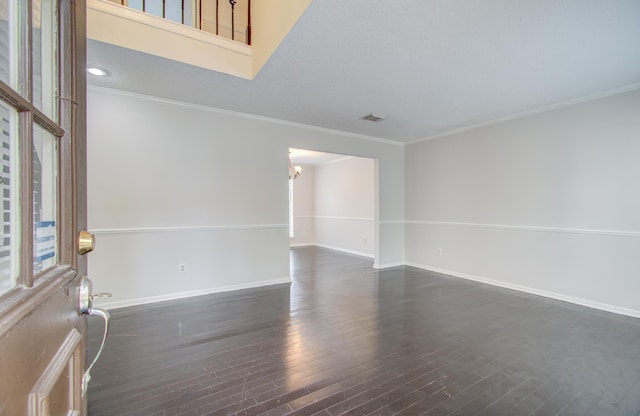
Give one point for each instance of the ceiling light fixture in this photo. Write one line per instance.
(99, 72)
(294, 171)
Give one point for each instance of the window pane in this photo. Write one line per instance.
(9, 250)
(45, 57)
(7, 41)
(45, 198)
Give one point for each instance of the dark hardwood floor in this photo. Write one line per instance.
(344, 338)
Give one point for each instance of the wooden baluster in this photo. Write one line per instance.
(233, 27)
(249, 23)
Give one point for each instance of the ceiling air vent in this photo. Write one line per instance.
(373, 117)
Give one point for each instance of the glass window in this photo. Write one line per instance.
(45, 199)
(45, 57)
(39, 89)
(4, 42)
(9, 250)
(7, 42)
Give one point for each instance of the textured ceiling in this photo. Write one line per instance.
(430, 66)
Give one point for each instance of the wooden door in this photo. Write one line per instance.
(43, 188)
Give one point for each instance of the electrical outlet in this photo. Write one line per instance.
(182, 267)
(438, 251)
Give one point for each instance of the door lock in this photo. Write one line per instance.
(85, 307)
(86, 242)
(85, 298)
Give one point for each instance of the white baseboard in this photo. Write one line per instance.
(344, 250)
(303, 245)
(557, 296)
(388, 265)
(189, 294)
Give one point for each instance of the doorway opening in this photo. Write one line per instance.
(333, 202)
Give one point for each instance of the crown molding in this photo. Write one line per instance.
(246, 116)
(534, 111)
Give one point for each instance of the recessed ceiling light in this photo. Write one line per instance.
(99, 72)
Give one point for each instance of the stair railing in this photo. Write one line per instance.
(197, 7)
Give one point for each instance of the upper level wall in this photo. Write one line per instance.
(112, 23)
(271, 21)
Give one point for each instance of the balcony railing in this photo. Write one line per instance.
(227, 18)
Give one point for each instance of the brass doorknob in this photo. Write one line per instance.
(86, 242)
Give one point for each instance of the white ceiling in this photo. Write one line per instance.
(430, 66)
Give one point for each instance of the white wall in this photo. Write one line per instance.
(304, 229)
(344, 205)
(334, 206)
(172, 183)
(548, 203)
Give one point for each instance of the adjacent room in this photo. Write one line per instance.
(459, 233)
(332, 202)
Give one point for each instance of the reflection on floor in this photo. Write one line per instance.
(344, 338)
